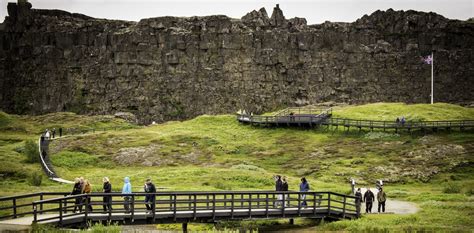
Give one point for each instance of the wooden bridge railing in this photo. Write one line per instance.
(393, 124)
(171, 205)
(303, 111)
(22, 205)
(325, 120)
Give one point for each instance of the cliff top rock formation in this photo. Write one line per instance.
(175, 68)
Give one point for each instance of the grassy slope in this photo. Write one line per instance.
(217, 153)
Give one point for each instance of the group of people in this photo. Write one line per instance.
(83, 186)
(49, 134)
(369, 199)
(400, 121)
(281, 184)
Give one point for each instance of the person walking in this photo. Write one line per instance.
(87, 189)
(304, 187)
(127, 189)
(60, 132)
(77, 190)
(369, 200)
(381, 198)
(284, 187)
(379, 184)
(53, 132)
(358, 200)
(278, 188)
(353, 183)
(150, 189)
(403, 121)
(107, 188)
(47, 134)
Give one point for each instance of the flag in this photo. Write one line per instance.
(427, 60)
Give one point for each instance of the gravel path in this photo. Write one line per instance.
(391, 205)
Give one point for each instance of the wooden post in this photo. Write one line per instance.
(35, 218)
(14, 207)
(344, 208)
(292, 221)
(213, 206)
(154, 207)
(86, 211)
(232, 207)
(109, 216)
(266, 205)
(175, 207)
(133, 208)
(329, 204)
(314, 203)
(250, 205)
(283, 204)
(65, 205)
(60, 212)
(299, 204)
(185, 227)
(194, 209)
(41, 205)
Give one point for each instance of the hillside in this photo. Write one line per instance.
(217, 153)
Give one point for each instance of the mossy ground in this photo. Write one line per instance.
(217, 153)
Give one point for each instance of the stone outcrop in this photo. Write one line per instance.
(176, 68)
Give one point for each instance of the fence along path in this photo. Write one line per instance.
(312, 118)
(172, 207)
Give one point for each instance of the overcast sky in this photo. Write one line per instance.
(315, 11)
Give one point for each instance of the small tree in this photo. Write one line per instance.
(36, 179)
(31, 151)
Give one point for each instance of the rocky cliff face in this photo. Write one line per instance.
(175, 68)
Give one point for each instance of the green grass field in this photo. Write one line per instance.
(435, 171)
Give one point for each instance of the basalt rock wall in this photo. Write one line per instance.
(176, 68)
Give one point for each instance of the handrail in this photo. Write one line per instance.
(324, 120)
(175, 201)
(40, 144)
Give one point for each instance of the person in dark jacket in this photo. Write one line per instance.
(76, 190)
(278, 187)
(369, 200)
(358, 200)
(381, 198)
(60, 132)
(304, 187)
(150, 198)
(107, 188)
(284, 187)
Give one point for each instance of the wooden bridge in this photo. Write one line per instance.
(175, 207)
(314, 118)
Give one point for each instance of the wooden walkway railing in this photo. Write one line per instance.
(169, 207)
(327, 120)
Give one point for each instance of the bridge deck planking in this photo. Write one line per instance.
(169, 216)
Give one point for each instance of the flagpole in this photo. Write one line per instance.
(432, 77)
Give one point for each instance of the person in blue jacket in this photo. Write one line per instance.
(304, 187)
(127, 189)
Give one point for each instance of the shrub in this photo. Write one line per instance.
(36, 179)
(31, 151)
(452, 188)
(100, 228)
